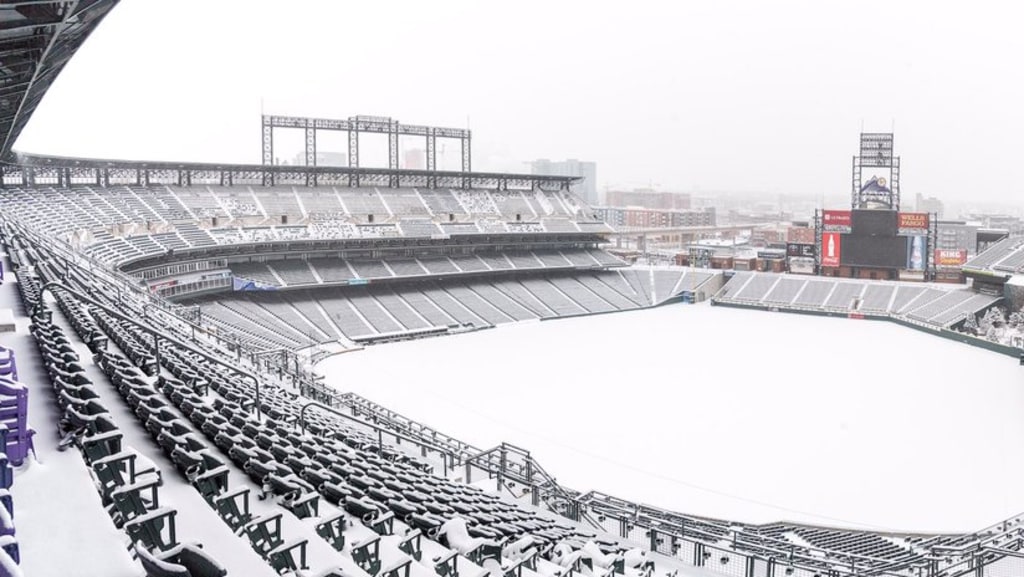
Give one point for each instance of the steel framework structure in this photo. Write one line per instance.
(37, 38)
(876, 151)
(365, 124)
(33, 170)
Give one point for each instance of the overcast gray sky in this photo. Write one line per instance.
(751, 96)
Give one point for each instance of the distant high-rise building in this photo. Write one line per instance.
(654, 218)
(587, 189)
(955, 235)
(647, 198)
(930, 205)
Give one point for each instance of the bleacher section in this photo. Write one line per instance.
(119, 223)
(1005, 257)
(361, 312)
(318, 270)
(324, 498)
(941, 307)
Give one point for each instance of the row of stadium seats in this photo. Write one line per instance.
(300, 319)
(301, 272)
(381, 488)
(130, 492)
(117, 223)
(162, 203)
(142, 241)
(14, 447)
(161, 405)
(915, 301)
(1006, 256)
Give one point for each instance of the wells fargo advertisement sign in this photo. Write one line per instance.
(913, 223)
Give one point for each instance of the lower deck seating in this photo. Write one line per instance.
(295, 319)
(939, 305)
(333, 270)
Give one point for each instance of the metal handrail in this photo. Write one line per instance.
(380, 431)
(156, 334)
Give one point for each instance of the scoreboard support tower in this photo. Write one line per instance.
(876, 151)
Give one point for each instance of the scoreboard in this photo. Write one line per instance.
(874, 238)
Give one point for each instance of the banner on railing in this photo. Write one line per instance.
(244, 284)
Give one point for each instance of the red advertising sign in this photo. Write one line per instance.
(913, 220)
(837, 220)
(830, 248)
(946, 257)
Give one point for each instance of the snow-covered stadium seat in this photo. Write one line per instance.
(185, 560)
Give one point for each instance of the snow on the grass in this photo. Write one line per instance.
(739, 414)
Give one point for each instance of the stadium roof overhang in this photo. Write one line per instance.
(37, 38)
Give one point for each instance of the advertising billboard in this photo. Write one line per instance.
(836, 221)
(912, 223)
(801, 265)
(800, 249)
(916, 253)
(770, 254)
(950, 258)
(831, 248)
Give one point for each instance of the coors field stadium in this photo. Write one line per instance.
(261, 369)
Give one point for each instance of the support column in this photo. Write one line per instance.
(310, 152)
(268, 151)
(353, 151)
(431, 149)
(466, 154)
(393, 152)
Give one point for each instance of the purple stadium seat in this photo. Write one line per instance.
(14, 415)
(8, 368)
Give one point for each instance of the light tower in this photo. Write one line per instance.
(882, 189)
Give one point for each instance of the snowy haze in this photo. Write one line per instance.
(736, 414)
(744, 95)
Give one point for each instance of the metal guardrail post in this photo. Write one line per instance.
(445, 455)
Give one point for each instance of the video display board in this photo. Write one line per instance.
(868, 223)
(874, 251)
